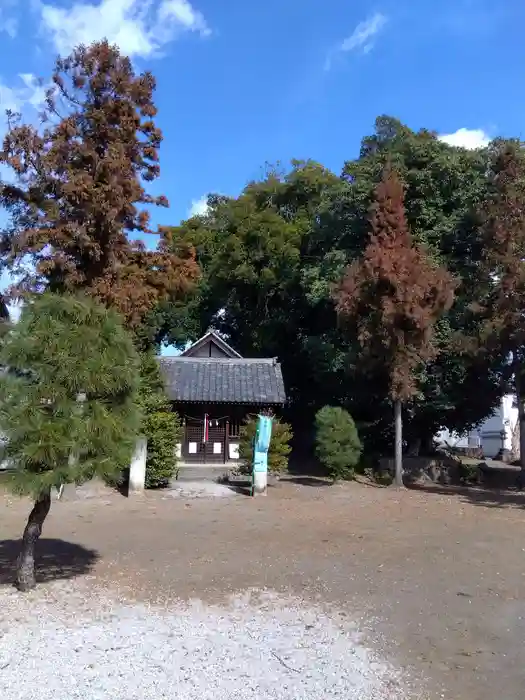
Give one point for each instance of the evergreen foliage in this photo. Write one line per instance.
(501, 304)
(163, 431)
(68, 406)
(280, 447)
(338, 447)
(161, 425)
(275, 253)
(68, 399)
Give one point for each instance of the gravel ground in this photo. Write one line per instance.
(441, 573)
(70, 643)
(200, 489)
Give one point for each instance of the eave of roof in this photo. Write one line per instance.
(256, 381)
(216, 338)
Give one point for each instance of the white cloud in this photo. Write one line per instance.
(31, 94)
(364, 33)
(141, 28)
(34, 92)
(9, 99)
(362, 38)
(8, 24)
(199, 207)
(466, 138)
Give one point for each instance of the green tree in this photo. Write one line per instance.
(275, 253)
(161, 425)
(390, 301)
(337, 442)
(259, 260)
(502, 285)
(443, 188)
(67, 403)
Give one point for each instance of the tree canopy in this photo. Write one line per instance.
(69, 389)
(77, 187)
(393, 296)
(502, 283)
(272, 256)
(260, 267)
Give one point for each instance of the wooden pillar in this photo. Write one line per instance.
(227, 441)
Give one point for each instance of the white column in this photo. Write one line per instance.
(137, 468)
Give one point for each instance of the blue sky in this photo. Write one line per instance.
(244, 83)
(241, 84)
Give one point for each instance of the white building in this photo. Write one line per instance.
(496, 432)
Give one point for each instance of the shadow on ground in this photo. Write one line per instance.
(54, 560)
(478, 496)
(316, 481)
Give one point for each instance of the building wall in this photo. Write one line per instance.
(209, 349)
(488, 435)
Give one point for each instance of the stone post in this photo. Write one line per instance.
(137, 468)
(260, 482)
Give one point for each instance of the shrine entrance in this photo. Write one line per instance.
(205, 440)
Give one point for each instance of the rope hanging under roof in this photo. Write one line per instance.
(201, 420)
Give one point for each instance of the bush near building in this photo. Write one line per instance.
(280, 447)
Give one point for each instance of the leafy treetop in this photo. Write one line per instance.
(337, 441)
(77, 184)
(68, 400)
(503, 230)
(394, 295)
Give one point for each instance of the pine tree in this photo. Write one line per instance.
(391, 299)
(78, 185)
(67, 403)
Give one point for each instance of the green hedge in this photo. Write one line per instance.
(160, 425)
(163, 431)
(279, 445)
(338, 447)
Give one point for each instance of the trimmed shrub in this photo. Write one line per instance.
(163, 431)
(338, 447)
(161, 426)
(279, 445)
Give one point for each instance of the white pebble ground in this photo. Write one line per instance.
(66, 642)
(200, 489)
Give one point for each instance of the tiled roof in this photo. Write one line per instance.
(219, 380)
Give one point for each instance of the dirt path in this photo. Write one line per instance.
(441, 576)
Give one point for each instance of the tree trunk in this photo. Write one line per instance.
(25, 573)
(398, 462)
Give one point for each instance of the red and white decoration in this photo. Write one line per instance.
(206, 430)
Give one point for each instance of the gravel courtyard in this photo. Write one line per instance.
(315, 591)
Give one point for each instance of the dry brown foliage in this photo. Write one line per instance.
(78, 181)
(394, 295)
